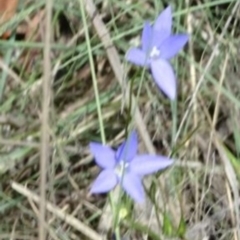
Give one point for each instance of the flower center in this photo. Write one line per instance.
(154, 53)
(121, 168)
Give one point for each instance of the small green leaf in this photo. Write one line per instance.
(181, 228)
(167, 225)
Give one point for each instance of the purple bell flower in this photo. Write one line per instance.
(125, 167)
(159, 45)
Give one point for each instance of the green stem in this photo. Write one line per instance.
(94, 78)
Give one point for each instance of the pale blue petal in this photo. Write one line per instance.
(128, 149)
(147, 37)
(164, 21)
(159, 37)
(133, 187)
(137, 57)
(104, 155)
(172, 45)
(164, 77)
(105, 182)
(148, 164)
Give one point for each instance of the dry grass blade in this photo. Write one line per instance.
(45, 137)
(51, 111)
(231, 176)
(84, 229)
(193, 78)
(206, 69)
(214, 121)
(17, 80)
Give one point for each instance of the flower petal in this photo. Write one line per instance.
(104, 155)
(148, 164)
(147, 37)
(172, 45)
(164, 77)
(128, 149)
(137, 57)
(164, 21)
(159, 37)
(133, 187)
(105, 182)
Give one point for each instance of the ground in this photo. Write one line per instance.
(54, 102)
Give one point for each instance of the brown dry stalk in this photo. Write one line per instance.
(193, 80)
(69, 219)
(45, 137)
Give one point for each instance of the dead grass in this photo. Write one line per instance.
(196, 199)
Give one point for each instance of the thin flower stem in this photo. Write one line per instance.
(115, 209)
(118, 234)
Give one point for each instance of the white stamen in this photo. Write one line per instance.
(121, 168)
(155, 52)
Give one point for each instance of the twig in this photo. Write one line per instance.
(193, 80)
(69, 219)
(45, 137)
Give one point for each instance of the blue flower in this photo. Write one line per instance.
(125, 167)
(159, 45)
